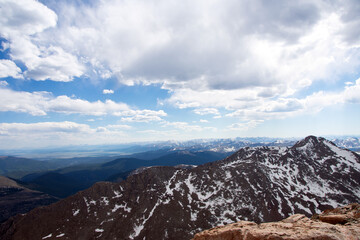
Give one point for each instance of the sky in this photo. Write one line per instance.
(117, 71)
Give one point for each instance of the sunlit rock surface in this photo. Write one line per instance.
(339, 223)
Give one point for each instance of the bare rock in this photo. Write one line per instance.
(341, 215)
(336, 224)
(333, 219)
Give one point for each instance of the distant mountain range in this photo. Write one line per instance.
(352, 143)
(102, 153)
(232, 145)
(265, 183)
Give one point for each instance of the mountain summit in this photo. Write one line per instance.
(259, 184)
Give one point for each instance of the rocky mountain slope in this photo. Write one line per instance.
(339, 223)
(16, 199)
(258, 184)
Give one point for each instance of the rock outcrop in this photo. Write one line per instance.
(339, 223)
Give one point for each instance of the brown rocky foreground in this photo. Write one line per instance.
(336, 224)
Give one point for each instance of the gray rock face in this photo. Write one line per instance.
(260, 184)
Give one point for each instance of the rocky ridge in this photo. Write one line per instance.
(259, 184)
(339, 223)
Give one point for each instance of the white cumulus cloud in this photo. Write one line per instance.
(211, 45)
(3, 83)
(22, 23)
(45, 134)
(108, 91)
(9, 69)
(205, 111)
(141, 115)
(40, 103)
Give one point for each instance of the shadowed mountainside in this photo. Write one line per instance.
(15, 199)
(67, 181)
